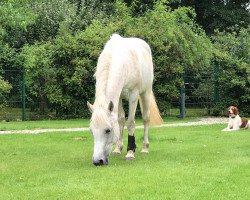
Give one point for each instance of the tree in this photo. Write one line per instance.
(15, 18)
(62, 70)
(39, 75)
(220, 14)
(59, 41)
(139, 7)
(179, 46)
(233, 55)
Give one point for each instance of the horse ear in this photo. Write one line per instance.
(111, 106)
(91, 107)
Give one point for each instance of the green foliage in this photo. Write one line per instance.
(179, 47)
(39, 74)
(75, 56)
(60, 75)
(89, 10)
(233, 53)
(219, 14)
(139, 7)
(51, 17)
(74, 60)
(4, 87)
(58, 43)
(8, 59)
(14, 21)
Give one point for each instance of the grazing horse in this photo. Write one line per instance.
(124, 71)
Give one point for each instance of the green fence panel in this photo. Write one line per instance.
(13, 103)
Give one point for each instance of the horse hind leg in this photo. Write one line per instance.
(121, 121)
(145, 103)
(133, 101)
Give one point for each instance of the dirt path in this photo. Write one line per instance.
(202, 121)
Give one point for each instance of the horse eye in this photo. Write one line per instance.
(107, 131)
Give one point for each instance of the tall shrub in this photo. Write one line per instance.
(39, 75)
(178, 45)
(233, 55)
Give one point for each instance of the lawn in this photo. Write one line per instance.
(44, 124)
(72, 123)
(198, 162)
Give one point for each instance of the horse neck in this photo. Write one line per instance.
(109, 89)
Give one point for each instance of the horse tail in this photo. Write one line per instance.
(154, 116)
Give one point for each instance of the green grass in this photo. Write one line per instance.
(73, 123)
(198, 162)
(44, 124)
(190, 112)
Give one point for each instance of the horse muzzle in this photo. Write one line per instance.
(100, 162)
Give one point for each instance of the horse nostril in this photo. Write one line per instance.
(98, 163)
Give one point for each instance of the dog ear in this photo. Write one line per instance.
(235, 110)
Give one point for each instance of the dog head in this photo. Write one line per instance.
(232, 111)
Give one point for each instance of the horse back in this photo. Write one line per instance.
(136, 60)
(124, 63)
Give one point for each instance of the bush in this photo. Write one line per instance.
(178, 45)
(5, 87)
(60, 73)
(233, 55)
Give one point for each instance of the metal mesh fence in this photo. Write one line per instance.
(195, 99)
(11, 103)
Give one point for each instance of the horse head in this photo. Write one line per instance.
(105, 130)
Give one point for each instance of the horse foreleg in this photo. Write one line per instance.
(121, 121)
(133, 100)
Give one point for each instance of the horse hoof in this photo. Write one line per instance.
(130, 155)
(145, 151)
(117, 152)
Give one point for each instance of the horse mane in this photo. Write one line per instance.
(99, 116)
(103, 67)
(102, 73)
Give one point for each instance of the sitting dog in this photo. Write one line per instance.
(235, 121)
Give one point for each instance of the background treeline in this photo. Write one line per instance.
(58, 42)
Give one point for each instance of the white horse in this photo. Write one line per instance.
(124, 71)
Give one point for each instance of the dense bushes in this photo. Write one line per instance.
(233, 55)
(7, 60)
(59, 49)
(4, 87)
(60, 74)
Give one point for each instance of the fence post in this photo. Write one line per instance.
(23, 94)
(216, 97)
(183, 102)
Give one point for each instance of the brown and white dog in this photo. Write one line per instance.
(235, 121)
